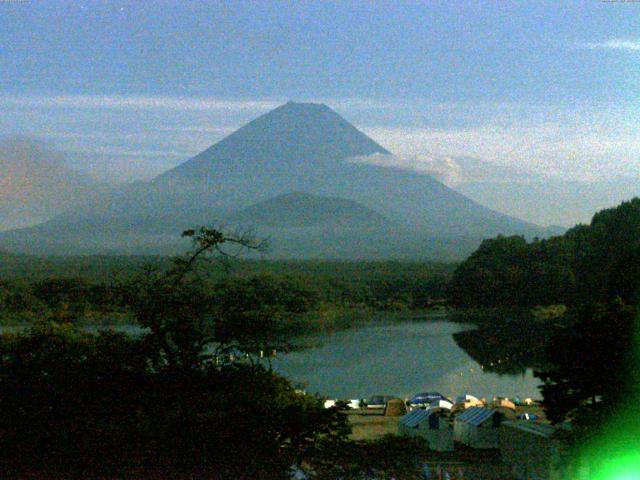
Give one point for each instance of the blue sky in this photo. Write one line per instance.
(131, 88)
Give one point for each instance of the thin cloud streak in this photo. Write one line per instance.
(572, 141)
(134, 102)
(552, 149)
(615, 44)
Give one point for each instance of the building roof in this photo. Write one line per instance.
(541, 429)
(413, 418)
(475, 415)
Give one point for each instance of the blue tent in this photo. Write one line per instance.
(425, 399)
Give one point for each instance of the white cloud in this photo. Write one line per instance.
(615, 44)
(142, 135)
(583, 149)
(134, 102)
(444, 168)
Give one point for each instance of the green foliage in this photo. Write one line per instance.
(77, 404)
(589, 263)
(74, 403)
(606, 254)
(391, 457)
(92, 404)
(105, 290)
(591, 358)
(290, 294)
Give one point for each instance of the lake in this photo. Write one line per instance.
(398, 358)
(391, 357)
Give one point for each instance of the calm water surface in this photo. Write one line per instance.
(391, 358)
(398, 359)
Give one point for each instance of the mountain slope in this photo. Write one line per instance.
(552, 201)
(295, 148)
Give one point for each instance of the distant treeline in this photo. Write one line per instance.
(589, 263)
(101, 289)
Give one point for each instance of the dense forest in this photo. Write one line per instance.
(589, 263)
(101, 290)
(582, 335)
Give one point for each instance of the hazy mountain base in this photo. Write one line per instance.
(292, 243)
(552, 202)
(296, 225)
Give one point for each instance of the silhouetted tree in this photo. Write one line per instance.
(592, 359)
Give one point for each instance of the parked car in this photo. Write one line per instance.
(378, 401)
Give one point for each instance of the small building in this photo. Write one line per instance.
(531, 450)
(408, 424)
(478, 427)
(435, 428)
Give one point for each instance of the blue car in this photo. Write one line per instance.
(424, 399)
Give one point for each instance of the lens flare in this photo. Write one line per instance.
(615, 453)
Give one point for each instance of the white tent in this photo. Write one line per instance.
(441, 404)
(329, 403)
(466, 398)
(467, 401)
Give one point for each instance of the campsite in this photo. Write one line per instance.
(468, 441)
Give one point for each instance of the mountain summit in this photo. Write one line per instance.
(290, 136)
(298, 147)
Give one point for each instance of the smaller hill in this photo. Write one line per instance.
(297, 209)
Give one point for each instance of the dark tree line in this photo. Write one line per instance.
(285, 287)
(589, 263)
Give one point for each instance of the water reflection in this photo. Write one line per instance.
(401, 359)
(510, 347)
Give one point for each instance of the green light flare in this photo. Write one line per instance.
(615, 455)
